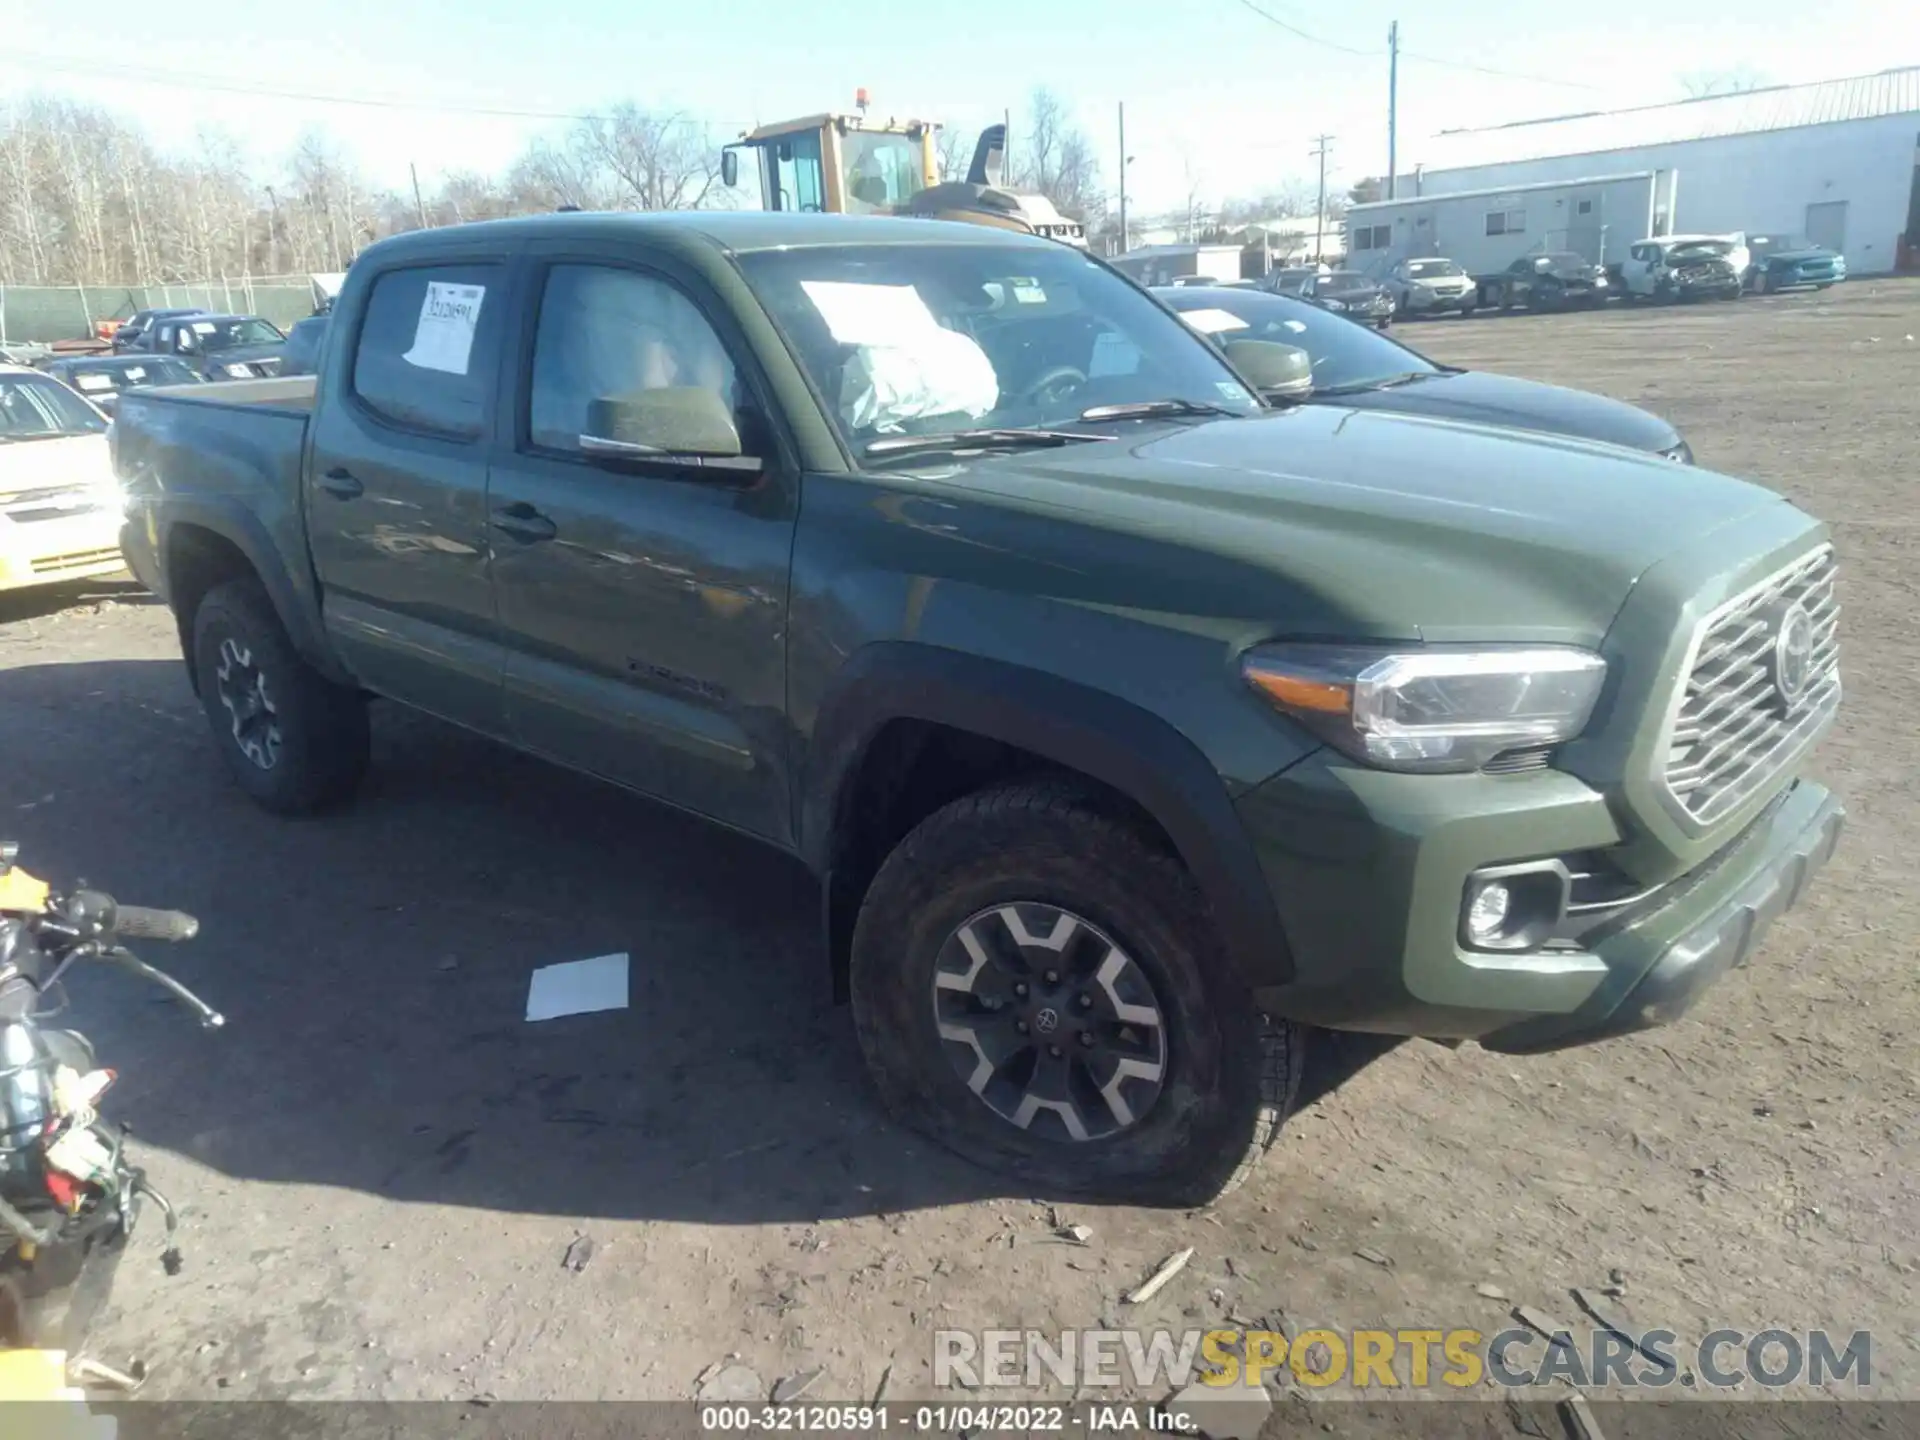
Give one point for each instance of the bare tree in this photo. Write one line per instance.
(654, 161)
(954, 155)
(1057, 159)
(1701, 84)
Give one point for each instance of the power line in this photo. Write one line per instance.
(1295, 30)
(1490, 70)
(189, 80)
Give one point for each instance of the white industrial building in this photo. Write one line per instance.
(1837, 161)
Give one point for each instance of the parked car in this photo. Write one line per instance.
(1289, 279)
(1781, 262)
(127, 337)
(1683, 267)
(1549, 280)
(1431, 286)
(301, 354)
(1132, 727)
(1348, 292)
(101, 378)
(220, 347)
(59, 506)
(1360, 369)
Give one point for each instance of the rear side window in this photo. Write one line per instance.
(428, 342)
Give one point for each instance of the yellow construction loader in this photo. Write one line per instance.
(841, 164)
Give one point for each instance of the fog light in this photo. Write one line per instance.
(1487, 915)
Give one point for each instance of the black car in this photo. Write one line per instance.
(101, 378)
(1348, 292)
(220, 347)
(128, 335)
(1365, 371)
(1549, 280)
(301, 354)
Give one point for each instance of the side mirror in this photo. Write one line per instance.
(688, 426)
(730, 168)
(1278, 372)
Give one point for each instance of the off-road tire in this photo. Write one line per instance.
(1233, 1074)
(323, 744)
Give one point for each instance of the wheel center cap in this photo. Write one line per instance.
(1046, 1021)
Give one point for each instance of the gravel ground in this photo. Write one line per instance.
(381, 1168)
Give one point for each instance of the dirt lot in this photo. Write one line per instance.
(381, 1167)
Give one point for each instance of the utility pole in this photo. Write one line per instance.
(419, 209)
(1123, 177)
(1321, 145)
(1393, 100)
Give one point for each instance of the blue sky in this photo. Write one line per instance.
(1217, 97)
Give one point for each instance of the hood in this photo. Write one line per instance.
(1438, 282)
(47, 464)
(1523, 405)
(1794, 257)
(1363, 524)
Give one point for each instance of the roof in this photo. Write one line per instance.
(1153, 252)
(741, 231)
(1778, 107)
(1433, 197)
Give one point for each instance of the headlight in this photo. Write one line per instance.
(1437, 709)
(1334, 304)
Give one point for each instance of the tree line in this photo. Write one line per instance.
(85, 197)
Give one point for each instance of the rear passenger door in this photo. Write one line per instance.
(396, 477)
(643, 604)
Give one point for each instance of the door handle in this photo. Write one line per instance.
(523, 522)
(342, 484)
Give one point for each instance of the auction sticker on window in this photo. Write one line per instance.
(443, 340)
(1213, 322)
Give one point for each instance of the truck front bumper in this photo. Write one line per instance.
(1370, 871)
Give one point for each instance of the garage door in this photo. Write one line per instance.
(1827, 224)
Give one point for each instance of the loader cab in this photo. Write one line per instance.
(837, 164)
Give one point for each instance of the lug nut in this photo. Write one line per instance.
(1021, 1026)
(1086, 1038)
(1086, 1002)
(1053, 977)
(1021, 988)
(1055, 1051)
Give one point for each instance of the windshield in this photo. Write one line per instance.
(1433, 269)
(92, 379)
(228, 334)
(33, 407)
(1343, 280)
(1345, 355)
(1696, 249)
(1562, 261)
(883, 171)
(919, 339)
(1781, 243)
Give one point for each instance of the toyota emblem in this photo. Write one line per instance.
(1047, 1021)
(1793, 656)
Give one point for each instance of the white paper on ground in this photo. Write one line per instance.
(443, 340)
(578, 987)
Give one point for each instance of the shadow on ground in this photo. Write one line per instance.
(42, 601)
(373, 968)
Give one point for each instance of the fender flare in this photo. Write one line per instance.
(1074, 726)
(296, 605)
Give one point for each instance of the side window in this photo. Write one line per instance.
(428, 341)
(605, 332)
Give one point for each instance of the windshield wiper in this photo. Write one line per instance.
(1141, 409)
(975, 440)
(1388, 382)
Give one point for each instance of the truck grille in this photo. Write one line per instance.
(1763, 682)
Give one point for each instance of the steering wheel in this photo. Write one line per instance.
(1055, 383)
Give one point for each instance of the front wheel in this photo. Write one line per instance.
(293, 740)
(1037, 987)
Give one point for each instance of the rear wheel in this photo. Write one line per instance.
(1037, 987)
(291, 738)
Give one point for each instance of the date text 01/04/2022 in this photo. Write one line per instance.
(941, 1419)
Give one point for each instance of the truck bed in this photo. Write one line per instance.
(294, 394)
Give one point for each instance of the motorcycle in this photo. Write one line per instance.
(69, 1196)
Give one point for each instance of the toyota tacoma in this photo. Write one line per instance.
(1134, 730)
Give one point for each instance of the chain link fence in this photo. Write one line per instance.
(42, 314)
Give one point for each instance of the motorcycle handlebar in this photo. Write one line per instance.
(137, 922)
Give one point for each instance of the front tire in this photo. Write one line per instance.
(292, 739)
(1037, 987)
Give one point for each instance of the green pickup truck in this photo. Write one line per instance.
(1134, 725)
